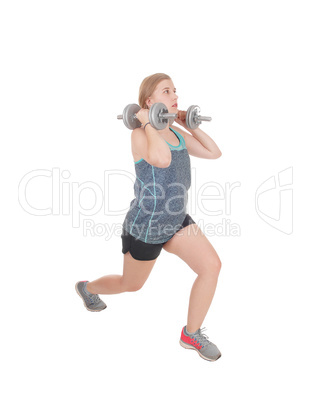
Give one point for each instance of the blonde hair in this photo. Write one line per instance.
(148, 86)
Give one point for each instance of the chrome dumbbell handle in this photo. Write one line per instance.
(204, 118)
(120, 116)
(168, 115)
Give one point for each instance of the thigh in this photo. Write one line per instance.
(135, 272)
(193, 247)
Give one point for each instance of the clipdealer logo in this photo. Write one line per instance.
(64, 197)
(276, 195)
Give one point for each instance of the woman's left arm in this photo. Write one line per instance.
(198, 144)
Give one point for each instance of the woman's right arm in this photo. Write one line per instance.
(149, 144)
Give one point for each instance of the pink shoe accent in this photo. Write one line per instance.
(190, 340)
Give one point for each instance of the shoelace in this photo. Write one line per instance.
(92, 298)
(203, 338)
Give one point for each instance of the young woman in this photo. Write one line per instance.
(157, 217)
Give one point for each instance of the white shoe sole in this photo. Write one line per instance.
(187, 346)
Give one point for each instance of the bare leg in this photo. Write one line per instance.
(201, 297)
(135, 274)
(192, 246)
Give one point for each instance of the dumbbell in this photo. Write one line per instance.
(159, 116)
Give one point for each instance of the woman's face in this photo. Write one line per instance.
(165, 92)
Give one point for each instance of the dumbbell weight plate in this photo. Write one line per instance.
(154, 119)
(191, 120)
(129, 116)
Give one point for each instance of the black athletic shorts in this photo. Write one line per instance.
(145, 251)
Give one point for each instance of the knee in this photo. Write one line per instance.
(213, 266)
(216, 265)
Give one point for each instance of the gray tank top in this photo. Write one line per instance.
(161, 196)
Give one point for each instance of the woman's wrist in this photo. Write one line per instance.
(146, 124)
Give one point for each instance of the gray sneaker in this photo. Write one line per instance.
(199, 342)
(91, 301)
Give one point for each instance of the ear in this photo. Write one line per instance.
(148, 102)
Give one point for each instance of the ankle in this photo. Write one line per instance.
(87, 287)
(190, 330)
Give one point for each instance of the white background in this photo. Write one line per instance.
(68, 68)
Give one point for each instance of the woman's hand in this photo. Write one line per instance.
(143, 116)
(181, 118)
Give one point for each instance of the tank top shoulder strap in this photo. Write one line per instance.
(181, 138)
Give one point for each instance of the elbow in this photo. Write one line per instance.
(162, 162)
(218, 155)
